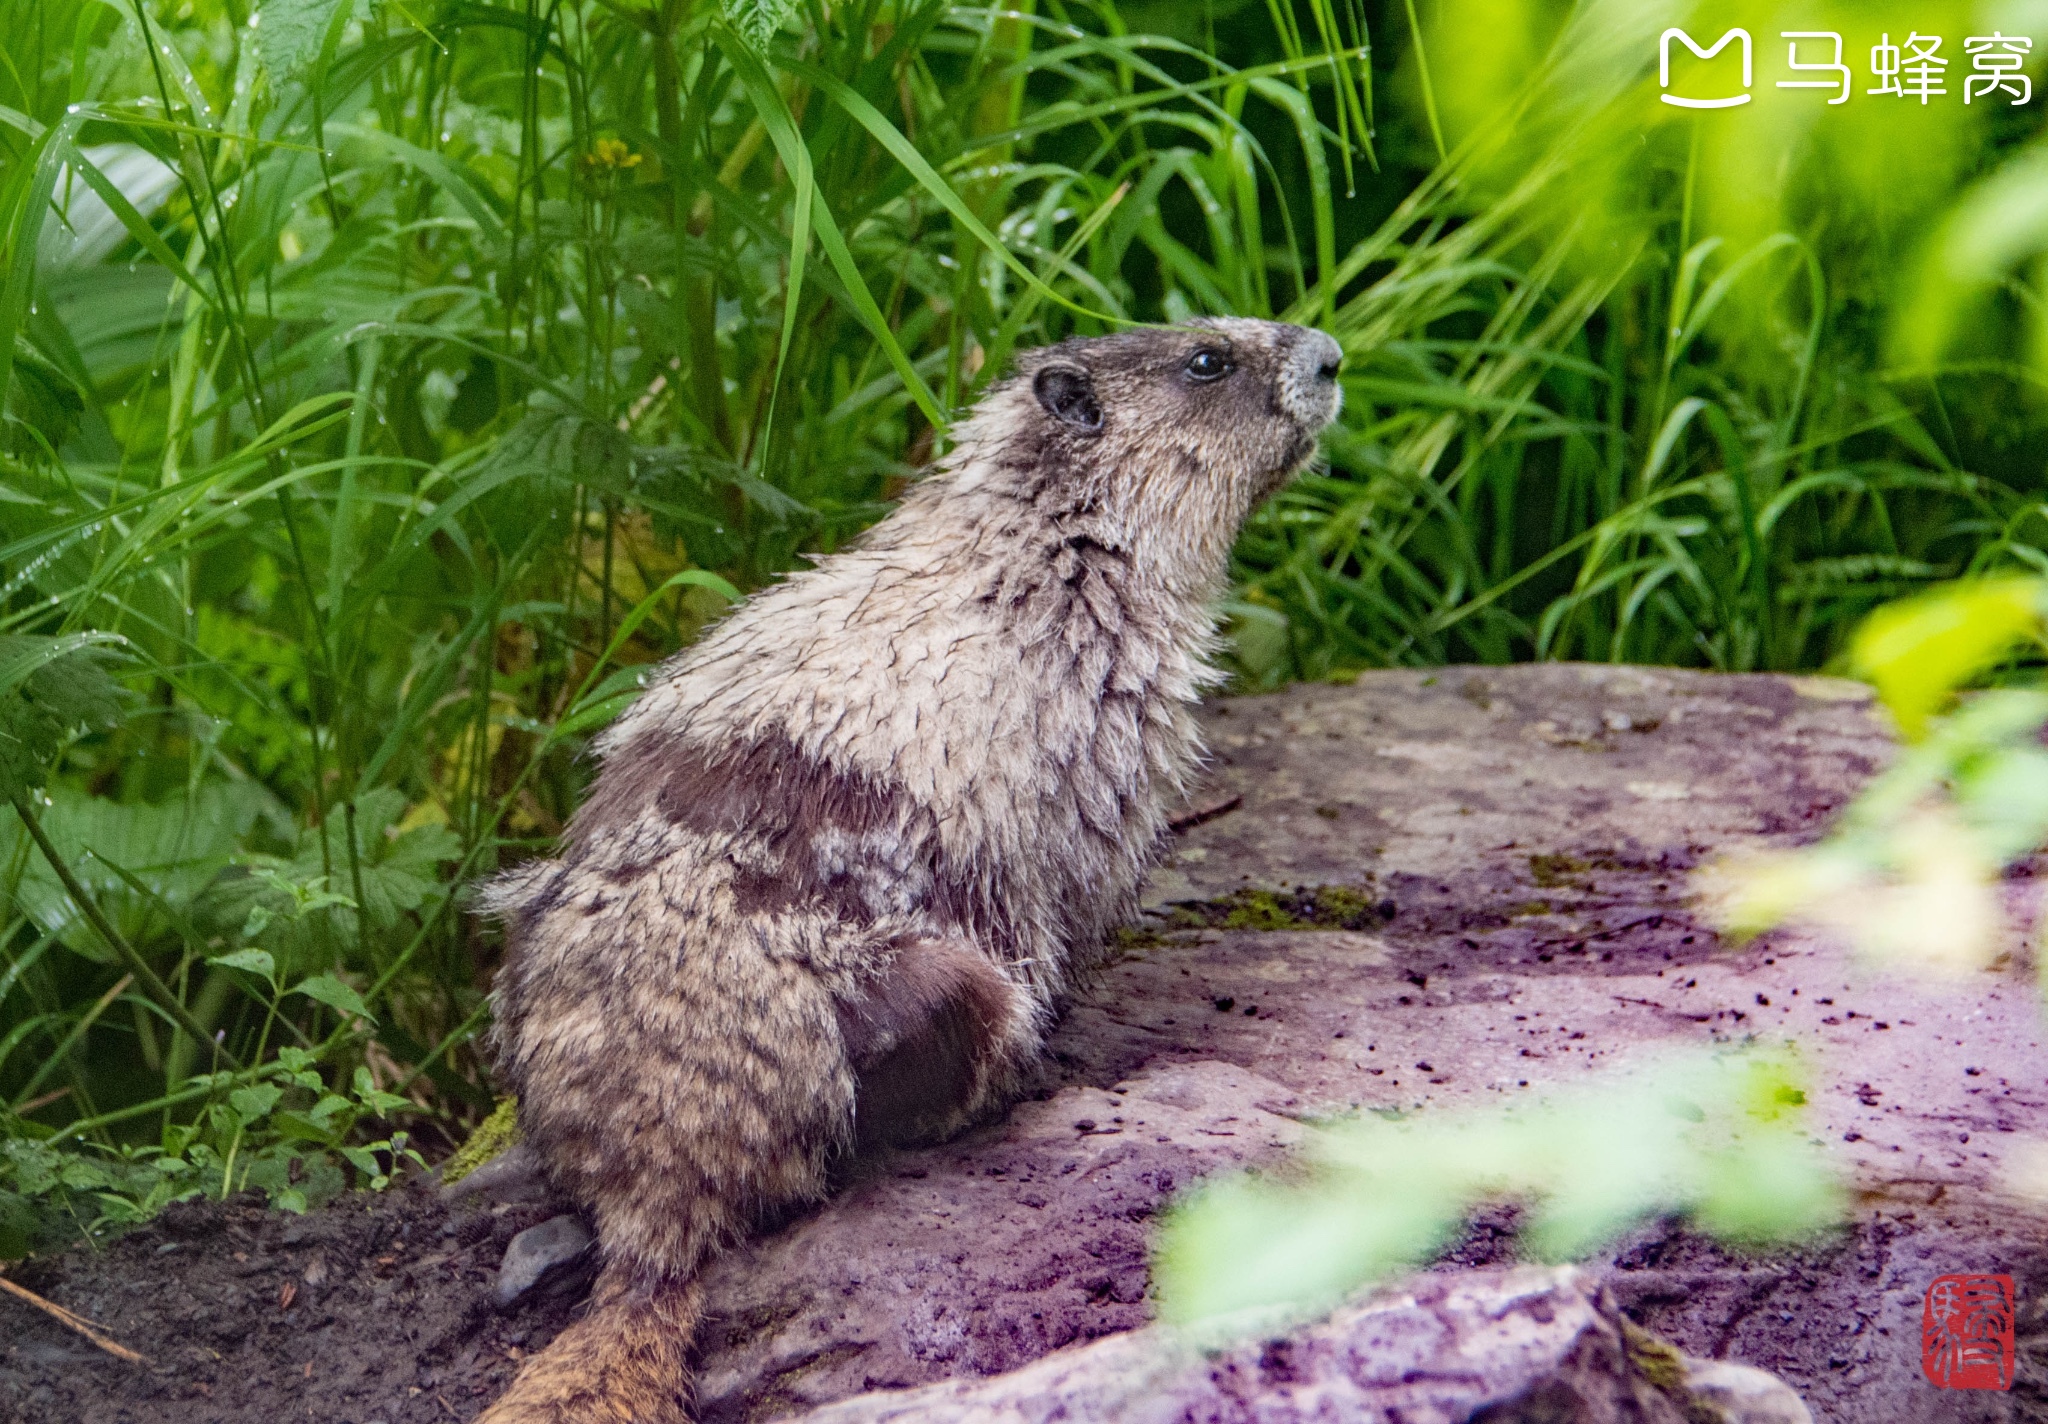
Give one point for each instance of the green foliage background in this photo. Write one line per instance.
(387, 381)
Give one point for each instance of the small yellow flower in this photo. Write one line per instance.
(611, 153)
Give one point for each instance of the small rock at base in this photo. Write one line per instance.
(1744, 1394)
(536, 1251)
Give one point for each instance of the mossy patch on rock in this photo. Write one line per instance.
(493, 1135)
(1662, 1365)
(1568, 872)
(1319, 907)
(1555, 871)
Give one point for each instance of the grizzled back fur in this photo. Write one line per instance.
(847, 853)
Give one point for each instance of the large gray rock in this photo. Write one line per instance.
(983, 1254)
(1514, 847)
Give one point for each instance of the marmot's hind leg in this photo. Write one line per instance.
(933, 1041)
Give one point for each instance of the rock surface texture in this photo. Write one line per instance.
(1435, 891)
(1495, 1346)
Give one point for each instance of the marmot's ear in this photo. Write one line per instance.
(1067, 392)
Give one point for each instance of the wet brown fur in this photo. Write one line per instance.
(846, 855)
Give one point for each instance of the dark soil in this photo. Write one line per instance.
(375, 1308)
(379, 1309)
(1838, 1321)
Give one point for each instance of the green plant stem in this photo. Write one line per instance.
(448, 1041)
(144, 975)
(157, 1104)
(78, 1030)
(1436, 128)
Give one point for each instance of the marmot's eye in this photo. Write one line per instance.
(1209, 364)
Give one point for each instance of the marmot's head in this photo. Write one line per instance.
(1161, 440)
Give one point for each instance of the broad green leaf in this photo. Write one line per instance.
(174, 850)
(364, 1161)
(758, 20)
(255, 1103)
(395, 873)
(289, 33)
(375, 1098)
(335, 994)
(49, 689)
(563, 445)
(255, 961)
(329, 1107)
(20, 1226)
(1920, 651)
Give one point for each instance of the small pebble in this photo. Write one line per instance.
(536, 1251)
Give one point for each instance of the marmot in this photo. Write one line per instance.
(846, 855)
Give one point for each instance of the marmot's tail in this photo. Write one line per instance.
(622, 1363)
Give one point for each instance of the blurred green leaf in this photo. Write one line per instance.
(1374, 1195)
(1998, 225)
(1919, 651)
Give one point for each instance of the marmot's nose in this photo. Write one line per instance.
(1323, 349)
(1309, 386)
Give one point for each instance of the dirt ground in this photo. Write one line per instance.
(379, 1309)
(376, 1308)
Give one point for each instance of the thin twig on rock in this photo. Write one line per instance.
(67, 1319)
(1195, 815)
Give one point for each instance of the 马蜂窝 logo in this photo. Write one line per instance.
(1914, 68)
(1664, 67)
(1966, 1332)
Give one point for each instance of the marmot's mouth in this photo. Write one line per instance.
(1293, 463)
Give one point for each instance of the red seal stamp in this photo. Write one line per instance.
(1966, 1332)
